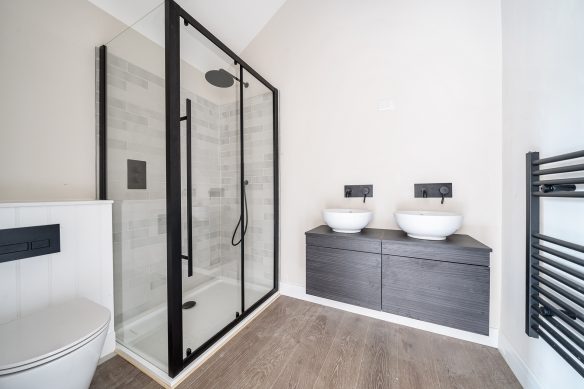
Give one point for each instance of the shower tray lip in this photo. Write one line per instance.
(161, 374)
(149, 322)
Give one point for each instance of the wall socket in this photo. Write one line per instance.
(385, 105)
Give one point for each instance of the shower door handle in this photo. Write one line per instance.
(189, 256)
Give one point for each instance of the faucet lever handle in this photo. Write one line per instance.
(443, 191)
(365, 192)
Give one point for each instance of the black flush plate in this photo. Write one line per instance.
(25, 242)
(432, 190)
(358, 191)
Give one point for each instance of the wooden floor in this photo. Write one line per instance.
(297, 344)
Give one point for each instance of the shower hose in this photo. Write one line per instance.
(240, 221)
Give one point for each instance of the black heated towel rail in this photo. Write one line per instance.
(554, 304)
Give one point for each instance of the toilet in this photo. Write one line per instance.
(55, 347)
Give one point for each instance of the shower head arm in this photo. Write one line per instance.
(245, 84)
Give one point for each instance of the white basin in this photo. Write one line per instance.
(430, 225)
(347, 220)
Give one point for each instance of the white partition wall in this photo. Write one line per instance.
(83, 267)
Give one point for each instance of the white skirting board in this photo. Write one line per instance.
(83, 267)
(524, 375)
(299, 292)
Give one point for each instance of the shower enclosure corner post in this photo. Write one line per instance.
(173, 188)
(276, 151)
(102, 105)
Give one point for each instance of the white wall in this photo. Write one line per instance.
(83, 267)
(47, 98)
(543, 110)
(440, 64)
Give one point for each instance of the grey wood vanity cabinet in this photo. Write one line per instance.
(344, 267)
(443, 282)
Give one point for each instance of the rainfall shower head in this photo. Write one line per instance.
(221, 78)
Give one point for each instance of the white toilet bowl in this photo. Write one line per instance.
(56, 347)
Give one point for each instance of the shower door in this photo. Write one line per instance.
(210, 189)
(221, 188)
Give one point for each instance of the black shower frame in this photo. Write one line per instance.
(173, 15)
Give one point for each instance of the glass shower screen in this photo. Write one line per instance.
(188, 153)
(258, 160)
(133, 153)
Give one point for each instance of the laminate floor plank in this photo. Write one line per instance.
(117, 373)
(240, 350)
(267, 365)
(416, 359)
(298, 344)
(303, 367)
(345, 355)
(469, 366)
(496, 365)
(379, 362)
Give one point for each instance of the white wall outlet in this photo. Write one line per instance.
(385, 105)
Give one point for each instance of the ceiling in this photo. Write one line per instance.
(234, 22)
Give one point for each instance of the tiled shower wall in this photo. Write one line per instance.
(206, 196)
(136, 130)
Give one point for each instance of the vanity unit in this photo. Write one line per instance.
(443, 282)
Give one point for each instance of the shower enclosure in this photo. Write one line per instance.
(188, 151)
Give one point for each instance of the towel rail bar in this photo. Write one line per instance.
(558, 158)
(554, 303)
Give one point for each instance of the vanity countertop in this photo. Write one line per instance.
(453, 242)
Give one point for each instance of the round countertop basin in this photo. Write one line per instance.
(430, 225)
(348, 221)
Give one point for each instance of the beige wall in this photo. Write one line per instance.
(47, 97)
(543, 100)
(440, 64)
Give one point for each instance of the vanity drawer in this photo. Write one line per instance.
(451, 294)
(348, 276)
(435, 250)
(345, 242)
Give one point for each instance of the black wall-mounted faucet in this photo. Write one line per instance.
(444, 191)
(439, 190)
(359, 191)
(365, 190)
